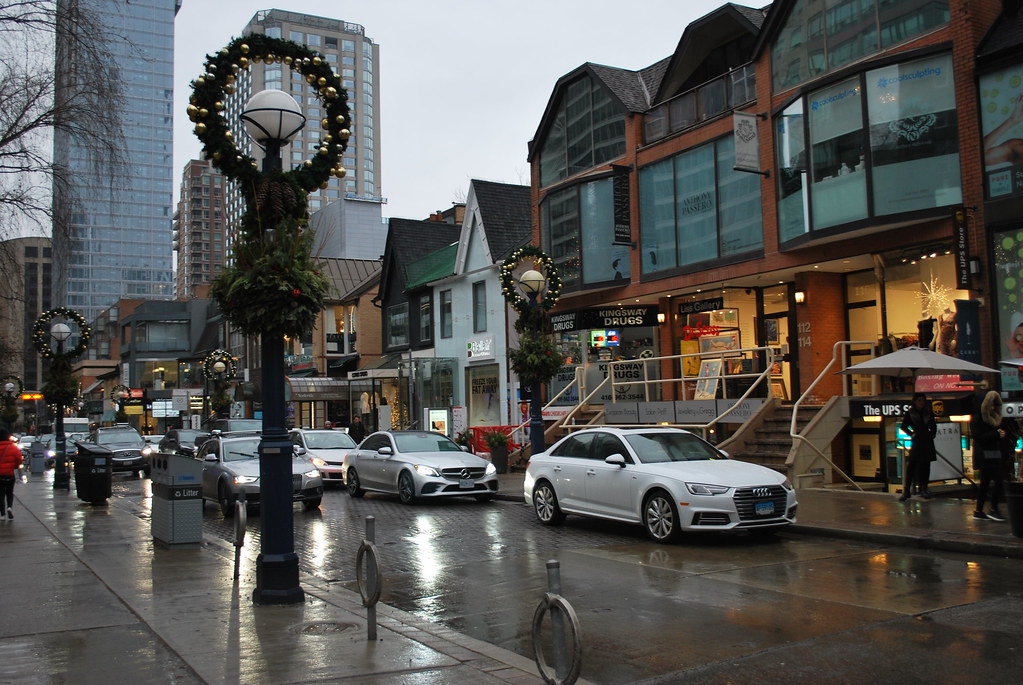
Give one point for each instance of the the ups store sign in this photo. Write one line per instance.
(604, 317)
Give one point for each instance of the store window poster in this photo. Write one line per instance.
(1001, 119)
(1008, 266)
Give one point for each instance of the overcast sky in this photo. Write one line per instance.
(463, 83)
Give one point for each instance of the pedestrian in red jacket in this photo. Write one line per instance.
(10, 462)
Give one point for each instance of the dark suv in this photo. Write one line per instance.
(129, 451)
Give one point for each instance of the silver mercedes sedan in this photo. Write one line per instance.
(417, 465)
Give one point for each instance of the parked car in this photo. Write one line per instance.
(129, 450)
(327, 449)
(231, 466)
(666, 479)
(183, 441)
(417, 464)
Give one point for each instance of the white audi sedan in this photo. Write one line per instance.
(417, 465)
(667, 479)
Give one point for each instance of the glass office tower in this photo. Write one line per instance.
(115, 238)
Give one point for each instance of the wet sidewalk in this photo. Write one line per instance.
(943, 523)
(88, 598)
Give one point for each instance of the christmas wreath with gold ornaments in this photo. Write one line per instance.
(273, 285)
(537, 358)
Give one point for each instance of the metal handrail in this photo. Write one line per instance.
(803, 440)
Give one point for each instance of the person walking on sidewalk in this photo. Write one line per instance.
(920, 425)
(987, 454)
(10, 462)
(356, 431)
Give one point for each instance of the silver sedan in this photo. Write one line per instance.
(417, 464)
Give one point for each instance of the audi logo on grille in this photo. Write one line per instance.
(761, 492)
(466, 473)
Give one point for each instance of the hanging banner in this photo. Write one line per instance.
(622, 210)
(960, 249)
(747, 142)
(968, 330)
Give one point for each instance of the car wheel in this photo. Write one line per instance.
(311, 504)
(353, 485)
(406, 488)
(545, 504)
(484, 498)
(660, 517)
(226, 501)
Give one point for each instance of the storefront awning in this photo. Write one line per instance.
(384, 367)
(345, 362)
(92, 387)
(317, 389)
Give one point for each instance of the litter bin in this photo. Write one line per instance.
(1014, 503)
(94, 473)
(37, 457)
(177, 500)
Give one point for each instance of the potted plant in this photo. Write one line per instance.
(498, 443)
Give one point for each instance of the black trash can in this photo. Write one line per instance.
(1014, 504)
(94, 473)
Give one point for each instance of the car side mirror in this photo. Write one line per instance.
(210, 457)
(725, 454)
(299, 450)
(616, 459)
(385, 451)
(464, 448)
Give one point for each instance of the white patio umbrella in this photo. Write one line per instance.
(916, 361)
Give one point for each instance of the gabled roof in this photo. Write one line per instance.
(723, 25)
(348, 274)
(505, 210)
(1006, 35)
(632, 90)
(407, 240)
(431, 267)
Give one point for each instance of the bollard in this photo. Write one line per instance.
(566, 665)
(369, 582)
(241, 515)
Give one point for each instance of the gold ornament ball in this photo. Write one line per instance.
(269, 59)
(219, 106)
(345, 134)
(323, 186)
(200, 128)
(229, 78)
(310, 78)
(239, 159)
(307, 164)
(317, 61)
(203, 113)
(235, 68)
(327, 138)
(216, 156)
(341, 172)
(321, 82)
(331, 92)
(192, 110)
(200, 81)
(243, 62)
(229, 88)
(244, 47)
(340, 119)
(322, 152)
(211, 66)
(224, 52)
(324, 122)
(288, 60)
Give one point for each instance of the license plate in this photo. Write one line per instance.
(765, 508)
(466, 484)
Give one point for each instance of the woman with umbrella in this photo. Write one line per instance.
(919, 423)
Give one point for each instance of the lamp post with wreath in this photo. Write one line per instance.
(218, 366)
(11, 386)
(273, 287)
(529, 271)
(118, 394)
(61, 388)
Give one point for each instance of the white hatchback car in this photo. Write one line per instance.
(667, 479)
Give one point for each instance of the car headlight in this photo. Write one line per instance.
(244, 480)
(787, 485)
(51, 453)
(704, 489)
(423, 470)
(312, 474)
(317, 462)
(491, 470)
(146, 451)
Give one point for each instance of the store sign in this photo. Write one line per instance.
(698, 306)
(605, 317)
(620, 194)
(859, 409)
(747, 142)
(480, 348)
(960, 249)
(1012, 410)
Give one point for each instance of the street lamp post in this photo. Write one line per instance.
(532, 283)
(60, 332)
(272, 118)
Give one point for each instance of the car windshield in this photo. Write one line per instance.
(425, 442)
(332, 440)
(129, 438)
(241, 450)
(187, 436)
(660, 447)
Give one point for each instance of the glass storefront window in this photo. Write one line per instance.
(839, 184)
(790, 143)
(657, 217)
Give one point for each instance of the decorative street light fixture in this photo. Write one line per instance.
(274, 286)
(12, 389)
(537, 359)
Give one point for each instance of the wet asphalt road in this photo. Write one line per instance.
(712, 609)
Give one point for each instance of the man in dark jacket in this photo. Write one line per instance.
(356, 430)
